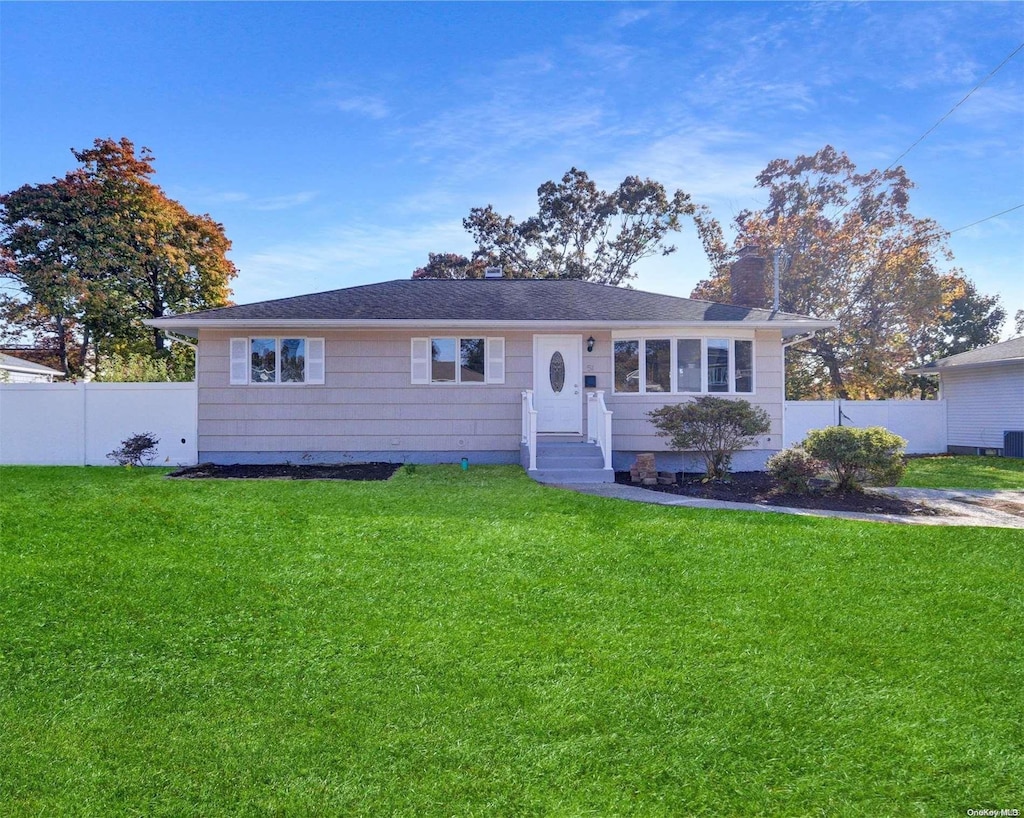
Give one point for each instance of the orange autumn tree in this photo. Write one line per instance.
(93, 254)
(851, 251)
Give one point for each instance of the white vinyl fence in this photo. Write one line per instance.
(77, 424)
(921, 422)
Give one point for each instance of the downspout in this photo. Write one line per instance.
(797, 339)
(181, 339)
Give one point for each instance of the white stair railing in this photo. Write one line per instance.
(530, 428)
(599, 425)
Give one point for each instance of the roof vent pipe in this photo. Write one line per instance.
(492, 272)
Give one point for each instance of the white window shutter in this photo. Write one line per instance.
(239, 360)
(421, 360)
(315, 364)
(495, 360)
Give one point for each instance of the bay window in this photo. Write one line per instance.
(658, 355)
(688, 366)
(744, 371)
(683, 365)
(627, 366)
(718, 365)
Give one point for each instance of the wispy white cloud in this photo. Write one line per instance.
(993, 108)
(284, 202)
(248, 201)
(480, 136)
(345, 256)
(629, 16)
(715, 165)
(704, 114)
(372, 107)
(613, 56)
(350, 98)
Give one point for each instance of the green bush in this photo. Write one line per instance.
(857, 456)
(131, 367)
(794, 468)
(716, 428)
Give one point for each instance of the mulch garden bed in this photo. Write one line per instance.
(289, 471)
(761, 488)
(742, 487)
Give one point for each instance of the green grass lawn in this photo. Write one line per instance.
(453, 643)
(963, 472)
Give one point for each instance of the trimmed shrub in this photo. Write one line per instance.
(137, 450)
(794, 468)
(715, 428)
(857, 456)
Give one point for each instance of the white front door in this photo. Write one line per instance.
(557, 382)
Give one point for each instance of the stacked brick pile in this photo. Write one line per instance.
(645, 472)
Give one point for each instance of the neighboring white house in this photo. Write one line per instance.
(492, 370)
(984, 394)
(18, 370)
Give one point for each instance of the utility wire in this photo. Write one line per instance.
(925, 135)
(994, 215)
(942, 119)
(946, 116)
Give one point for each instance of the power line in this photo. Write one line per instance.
(925, 135)
(942, 119)
(994, 215)
(946, 116)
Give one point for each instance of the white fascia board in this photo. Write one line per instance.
(938, 370)
(41, 370)
(704, 330)
(179, 325)
(13, 364)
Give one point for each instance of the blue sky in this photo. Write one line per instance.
(339, 143)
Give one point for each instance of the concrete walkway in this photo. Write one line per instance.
(998, 509)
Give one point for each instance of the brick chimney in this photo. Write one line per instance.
(748, 279)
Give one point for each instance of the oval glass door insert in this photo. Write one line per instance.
(556, 372)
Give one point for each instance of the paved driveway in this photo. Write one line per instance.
(998, 509)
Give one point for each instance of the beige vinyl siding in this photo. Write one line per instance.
(632, 430)
(983, 402)
(367, 402)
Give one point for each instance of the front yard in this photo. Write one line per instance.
(451, 643)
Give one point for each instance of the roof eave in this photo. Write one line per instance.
(938, 370)
(185, 326)
(27, 371)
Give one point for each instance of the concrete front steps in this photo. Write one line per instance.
(569, 459)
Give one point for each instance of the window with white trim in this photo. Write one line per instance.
(683, 365)
(458, 360)
(277, 360)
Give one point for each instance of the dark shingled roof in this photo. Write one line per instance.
(485, 300)
(1012, 350)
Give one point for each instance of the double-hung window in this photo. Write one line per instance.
(277, 360)
(458, 360)
(684, 365)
